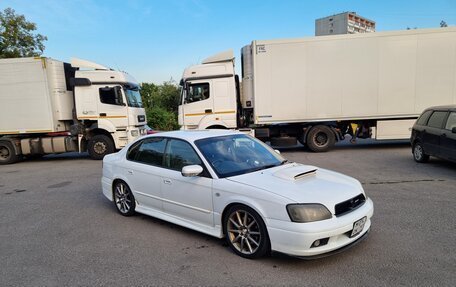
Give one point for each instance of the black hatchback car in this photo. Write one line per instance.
(434, 134)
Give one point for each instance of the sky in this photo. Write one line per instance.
(154, 40)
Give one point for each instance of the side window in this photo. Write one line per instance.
(423, 118)
(151, 151)
(436, 120)
(111, 96)
(197, 92)
(179, 154)
(133, 150)
(451, 123)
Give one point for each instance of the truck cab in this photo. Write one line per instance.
(207, 90)
(109, 101)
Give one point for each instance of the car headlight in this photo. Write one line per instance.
(308, 212)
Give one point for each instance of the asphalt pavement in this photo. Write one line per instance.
(56, 229)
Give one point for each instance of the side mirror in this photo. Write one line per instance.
(453, 130)
(277, 151)
(187, 91)
(191, 170)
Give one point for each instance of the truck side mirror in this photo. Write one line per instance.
(453, 130)
(187, 91)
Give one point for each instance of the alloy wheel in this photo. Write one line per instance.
(244, 232)
(123, 198)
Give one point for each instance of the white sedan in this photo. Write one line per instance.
(228, 184)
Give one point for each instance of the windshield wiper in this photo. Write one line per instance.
(284, 161)
(263, 167)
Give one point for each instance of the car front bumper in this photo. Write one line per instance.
(296, 239)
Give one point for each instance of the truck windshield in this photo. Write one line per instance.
(133, 96)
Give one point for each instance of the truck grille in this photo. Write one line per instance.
(350, 205)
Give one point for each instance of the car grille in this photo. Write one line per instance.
(350, 205)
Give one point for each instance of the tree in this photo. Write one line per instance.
(161, 102)
(17, 37)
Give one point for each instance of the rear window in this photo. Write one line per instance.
(451, 122)
(436, 119)
(423, 118)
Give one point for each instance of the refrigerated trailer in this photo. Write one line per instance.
(318, 90)
(48, 106)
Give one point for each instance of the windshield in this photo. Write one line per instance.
(133, 96)
(237, 154)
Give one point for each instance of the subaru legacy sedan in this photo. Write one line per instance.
(230, 185)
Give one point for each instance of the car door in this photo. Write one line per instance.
(448, 143)
(432, 133)
(189, 198)
(143, 167)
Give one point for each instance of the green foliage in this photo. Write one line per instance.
(161, 102)
(17, 38)
(161, 119)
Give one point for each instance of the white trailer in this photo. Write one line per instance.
(47, 106)
(317, 90)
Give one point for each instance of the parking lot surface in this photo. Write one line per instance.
(58, 229)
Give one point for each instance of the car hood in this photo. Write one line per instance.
(303, 184)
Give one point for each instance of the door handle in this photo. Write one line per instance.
(167, 181)
(208, 111)
(102, 114)
(443, 135)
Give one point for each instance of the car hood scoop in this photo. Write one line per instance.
(296, 172)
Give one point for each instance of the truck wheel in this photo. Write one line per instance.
(7, 153)
(320, 139)
(99, 146)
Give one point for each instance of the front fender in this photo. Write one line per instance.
(106, 125)
(266, 204)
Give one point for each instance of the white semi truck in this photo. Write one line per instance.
(318, 90)
(48, 106)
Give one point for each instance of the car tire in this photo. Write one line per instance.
(99, 146)
(245, 232)
(7, 153)
(320, 138)
(123, 199)
(418, 153)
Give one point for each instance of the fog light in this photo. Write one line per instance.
(320, 242)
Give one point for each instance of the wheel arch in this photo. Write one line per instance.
(251, 205)
(99, 131)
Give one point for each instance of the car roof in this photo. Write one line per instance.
(194, 135)
(442, 108)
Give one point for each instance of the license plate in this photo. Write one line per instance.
(358, 226)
